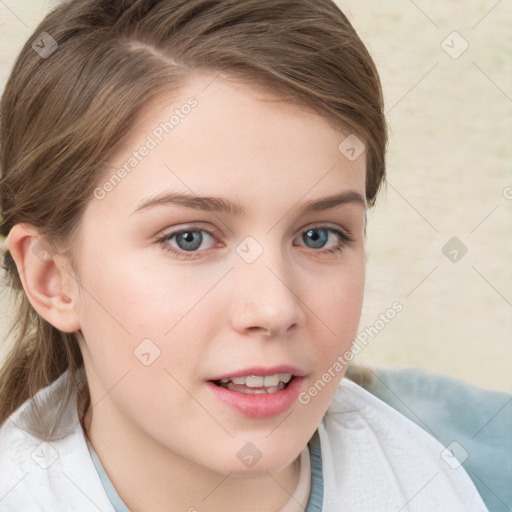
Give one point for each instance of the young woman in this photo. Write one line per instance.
(184, 194)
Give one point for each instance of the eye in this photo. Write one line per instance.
(188, 240)
(186, 243)
(318, 237)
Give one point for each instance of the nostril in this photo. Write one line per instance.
(258, 329)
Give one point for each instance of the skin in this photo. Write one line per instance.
(164, 440)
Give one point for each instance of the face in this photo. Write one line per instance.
(179, 294)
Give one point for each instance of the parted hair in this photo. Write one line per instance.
(64, 115)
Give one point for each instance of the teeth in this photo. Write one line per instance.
(256, 381)
(253, 391)
(271, 380)
(252, 381)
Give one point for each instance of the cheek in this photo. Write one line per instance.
(136, 295)
(135, 313)
(338, 303)
(336, 316)
(333, 355)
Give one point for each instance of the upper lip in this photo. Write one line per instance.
(262, 371)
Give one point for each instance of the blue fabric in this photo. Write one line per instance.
(474, 424)
(117, 502)
(315, 499)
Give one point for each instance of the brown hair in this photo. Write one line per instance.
(64, 114)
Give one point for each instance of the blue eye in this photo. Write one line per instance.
(189, 241)
(318, 240)
(319, 236)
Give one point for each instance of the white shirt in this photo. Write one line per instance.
(373, 459)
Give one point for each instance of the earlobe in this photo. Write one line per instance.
(49, 287)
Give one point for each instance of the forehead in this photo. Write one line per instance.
(223, 138)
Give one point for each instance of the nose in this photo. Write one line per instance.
(266, 297)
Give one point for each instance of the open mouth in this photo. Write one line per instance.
(254, 384)
(258, 396)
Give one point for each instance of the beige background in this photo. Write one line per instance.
(449, 166)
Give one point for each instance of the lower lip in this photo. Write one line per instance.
(264, 405)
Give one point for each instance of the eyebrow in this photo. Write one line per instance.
(220, 205)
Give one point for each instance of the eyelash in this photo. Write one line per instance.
(345, 239)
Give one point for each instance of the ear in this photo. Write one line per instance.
(48, 284)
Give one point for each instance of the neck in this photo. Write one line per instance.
(149, 476)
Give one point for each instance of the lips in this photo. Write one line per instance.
(256, 403)
(258, 392)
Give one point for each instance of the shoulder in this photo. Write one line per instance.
(375, 458)
(55, 473)
(474, 421)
